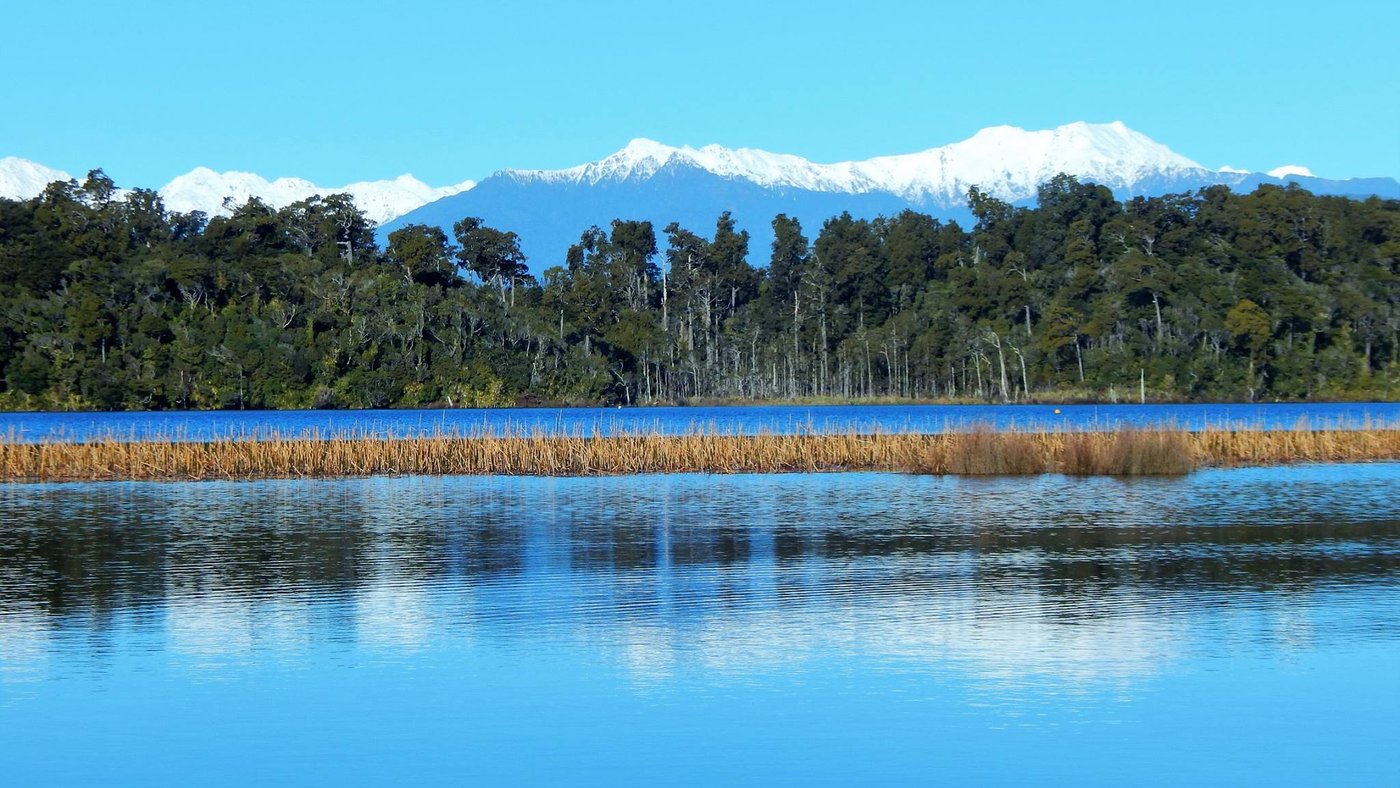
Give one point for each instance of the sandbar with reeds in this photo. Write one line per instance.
(976, 451)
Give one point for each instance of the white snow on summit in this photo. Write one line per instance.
(203, 189)
(1290, 169)
(21, 179)
(1005, 161)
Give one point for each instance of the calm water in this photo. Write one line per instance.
(204, 425)
(1229, 627)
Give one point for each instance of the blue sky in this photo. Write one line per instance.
(343, 91)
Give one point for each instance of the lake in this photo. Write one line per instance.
(207, 425)
(1230, 627)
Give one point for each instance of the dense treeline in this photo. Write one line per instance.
(110, 301)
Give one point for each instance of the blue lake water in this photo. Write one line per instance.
(1230, 627)
(206, 425)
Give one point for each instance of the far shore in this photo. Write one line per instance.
(1053, 398)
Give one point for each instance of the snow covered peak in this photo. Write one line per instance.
(1010, 162)
(643, 149)
(1290, 169)
(21, 179)
(385, 200)
(640, 158)
(215, 193)
(1007, 161)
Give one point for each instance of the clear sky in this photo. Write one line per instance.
(343, 91)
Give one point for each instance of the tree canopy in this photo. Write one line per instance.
(111, 301)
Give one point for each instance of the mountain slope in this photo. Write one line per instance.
(549, 217)
(661, 183)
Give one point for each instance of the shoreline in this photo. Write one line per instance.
(1121, 452)
(1047, 399)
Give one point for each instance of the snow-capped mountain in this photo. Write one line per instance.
(661, 183)
(215, 193)
(203, 189)
(1004, 161)
(21, 179)
(1290, 169)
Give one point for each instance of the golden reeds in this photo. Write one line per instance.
(975, 451)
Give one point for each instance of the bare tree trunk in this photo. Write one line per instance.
(1001, 360)
(1025, 385)
(1158, 306)
(796, 350)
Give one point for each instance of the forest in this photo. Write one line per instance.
(109, 301)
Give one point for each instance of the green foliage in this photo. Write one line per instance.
(1250, 326)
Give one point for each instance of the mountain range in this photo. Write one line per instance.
(549, 209)
(648, 180)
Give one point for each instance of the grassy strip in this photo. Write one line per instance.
(979, 451)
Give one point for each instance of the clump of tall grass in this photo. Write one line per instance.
(1129, 452)
(979, 450)
(983, 451)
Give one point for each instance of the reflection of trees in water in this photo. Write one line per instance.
(672, 547)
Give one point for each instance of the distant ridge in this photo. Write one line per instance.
(203, 189)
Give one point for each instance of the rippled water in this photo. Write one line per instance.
(1229, 627)
(206, 425)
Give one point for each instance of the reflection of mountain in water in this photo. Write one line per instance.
(1070, 578)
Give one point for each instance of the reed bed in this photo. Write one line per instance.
(978, 451)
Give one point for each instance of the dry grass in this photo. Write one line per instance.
(976, 451)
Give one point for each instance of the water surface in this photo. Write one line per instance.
(750, 419)
(1229, 627)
